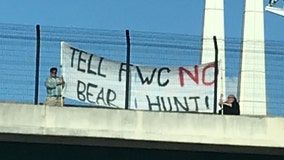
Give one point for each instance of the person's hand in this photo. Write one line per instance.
(61, 81)
(221, 102)
(221, 99)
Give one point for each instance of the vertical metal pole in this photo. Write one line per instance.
(215, 74)
(37, 64)
(127, 70)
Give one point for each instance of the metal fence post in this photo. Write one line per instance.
(215, 74)
(37, 64)
(127, 70)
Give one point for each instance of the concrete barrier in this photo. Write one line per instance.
(130, 125)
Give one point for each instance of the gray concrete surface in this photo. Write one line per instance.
(95, 126)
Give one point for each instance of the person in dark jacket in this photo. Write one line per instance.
(230, 106)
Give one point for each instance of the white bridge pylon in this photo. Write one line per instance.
(275, 10)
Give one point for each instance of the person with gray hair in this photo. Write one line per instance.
(230, 106)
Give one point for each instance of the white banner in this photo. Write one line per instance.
(93, 79)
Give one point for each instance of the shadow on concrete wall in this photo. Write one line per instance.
(32, 151)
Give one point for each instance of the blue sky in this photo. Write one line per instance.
(169, 16)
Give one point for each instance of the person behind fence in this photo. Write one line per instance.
(230, 106)
(54, 86)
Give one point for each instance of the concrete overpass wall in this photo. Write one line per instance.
(94, 123)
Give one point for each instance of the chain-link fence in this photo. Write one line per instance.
(18, 45)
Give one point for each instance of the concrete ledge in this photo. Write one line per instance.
(19, 121)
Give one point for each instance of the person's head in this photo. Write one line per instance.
(53, 71)
(231, 98)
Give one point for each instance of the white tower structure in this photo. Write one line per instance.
(213, 25)
(252, 83)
